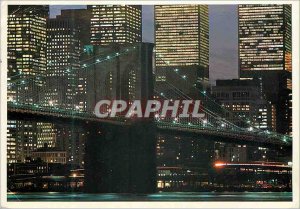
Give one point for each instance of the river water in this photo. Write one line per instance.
(163, 196)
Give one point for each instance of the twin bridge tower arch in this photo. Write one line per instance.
(126, 73)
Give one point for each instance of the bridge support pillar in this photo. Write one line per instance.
(121, 159)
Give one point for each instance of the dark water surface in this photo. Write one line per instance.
(163, 196)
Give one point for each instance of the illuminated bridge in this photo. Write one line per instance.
(126, 72)
(175, 126)
(214, 123)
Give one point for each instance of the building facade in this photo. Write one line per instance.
(72, 140)
(80, 20)
(182, 42)
(50, 155)
(246, 100)
(265, 38)
(115, 24)
(63, 58)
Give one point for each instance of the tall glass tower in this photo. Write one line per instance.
(265, 37)
(182, 41)
(26, 51)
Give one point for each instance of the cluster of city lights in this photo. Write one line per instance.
(223, 123)
(252, 127)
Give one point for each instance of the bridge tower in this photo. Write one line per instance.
(121, 158)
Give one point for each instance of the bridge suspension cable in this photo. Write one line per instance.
(242, 119)
(98, 59)
(207, 111)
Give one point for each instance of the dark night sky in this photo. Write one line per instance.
(223, 37)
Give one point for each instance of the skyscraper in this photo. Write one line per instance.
(26, 71)
(265, 37)
(115, 24)
(80, 21)
(182, 41)
(63, 54)
(26, 51)
(67, 36)
(265, 51)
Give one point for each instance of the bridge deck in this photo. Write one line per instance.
(42, 113)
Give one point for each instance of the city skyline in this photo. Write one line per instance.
(69, 30)
(221, 18)
(64, 133)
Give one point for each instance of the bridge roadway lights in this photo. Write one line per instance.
(121, 159)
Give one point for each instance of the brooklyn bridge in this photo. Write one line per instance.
(120, 152)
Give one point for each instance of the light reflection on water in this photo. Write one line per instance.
(164, 196)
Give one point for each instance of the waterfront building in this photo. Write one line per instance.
(49, 155)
